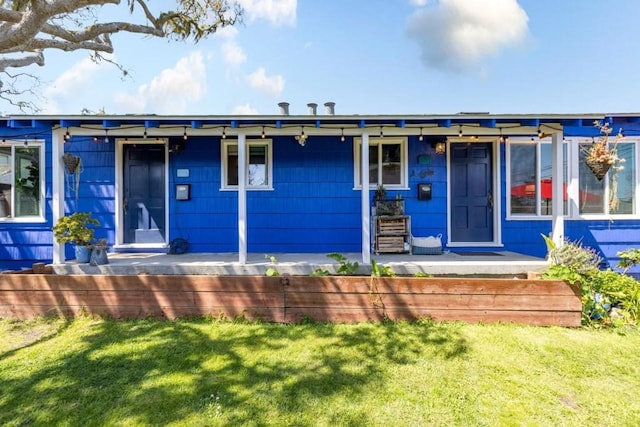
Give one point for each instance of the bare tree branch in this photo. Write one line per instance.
(13, 94)
(28, 28)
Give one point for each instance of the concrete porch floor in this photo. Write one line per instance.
(495, 264)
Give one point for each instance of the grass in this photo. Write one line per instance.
(198, 372)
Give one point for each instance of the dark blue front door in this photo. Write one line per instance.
(144, 193)
(471, 192)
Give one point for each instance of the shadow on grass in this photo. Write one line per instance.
(20, 335)
(154, 373)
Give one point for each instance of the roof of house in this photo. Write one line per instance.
(446, 123)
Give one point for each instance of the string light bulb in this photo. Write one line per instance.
(302, 138)
(106, 136)
(184, 134)
(144, 135)
(342, 138)
(263, 136)
(540, 134)
(67, 135)
(460, 131)
(381, 133)
(224, 133)
(421, 136)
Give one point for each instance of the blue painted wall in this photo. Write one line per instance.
(23, 244)
(313, 207)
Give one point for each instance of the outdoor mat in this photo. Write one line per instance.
(478, 253)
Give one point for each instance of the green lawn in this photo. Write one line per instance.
(95, 372)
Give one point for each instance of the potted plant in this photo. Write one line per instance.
(75, 229)
(602, 154)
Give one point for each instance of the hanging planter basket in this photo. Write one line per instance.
(598, 168)
(71, 162)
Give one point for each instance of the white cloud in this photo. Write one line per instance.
(244, 110)
(79, 74)
(233, 54)
(271, 85)
(227, 33)
(68, 84)
(418, 3)
(457, 34)
(277, 12)
(171, 91)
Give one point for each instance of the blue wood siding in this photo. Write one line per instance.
(428, 217)
(312, 208)
(96, 184)
(24, 243)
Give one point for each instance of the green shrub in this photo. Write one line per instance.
(346, 268)
(573, 254)
(620, 291)
(608, 297)
(628, 258)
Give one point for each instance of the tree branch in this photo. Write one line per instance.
(37, 58)
(30, 27)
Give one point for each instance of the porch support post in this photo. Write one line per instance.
(242, 199)
(557, 176)
(57, 191)
(366, 214)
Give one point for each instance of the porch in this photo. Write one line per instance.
(470, 264)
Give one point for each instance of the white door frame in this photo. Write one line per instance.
(497, 192)
(119, 194)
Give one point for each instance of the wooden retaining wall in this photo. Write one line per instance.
(292, 298)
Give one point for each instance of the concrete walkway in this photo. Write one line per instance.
(496, 264)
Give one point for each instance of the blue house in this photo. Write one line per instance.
(305, 183)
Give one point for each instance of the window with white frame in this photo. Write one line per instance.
(21, 180)
(258, 164)
(387, 162)
(615, 193)
(530, 184)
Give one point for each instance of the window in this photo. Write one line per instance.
(387, 162)
(259, 165)
(615, 194)
(20, 180)
(530, 182)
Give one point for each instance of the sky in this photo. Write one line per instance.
(369, 57)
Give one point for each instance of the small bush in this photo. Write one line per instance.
(608, 297)
(346, 268)
(628, 258)
(574, 255)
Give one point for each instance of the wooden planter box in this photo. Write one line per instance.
(292, 298)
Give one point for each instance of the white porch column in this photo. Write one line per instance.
(57, 191)
(366, 214)
(242, 198)
(557, 202)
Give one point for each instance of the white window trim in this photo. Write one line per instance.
(573, 158)
(538, 142)
(226, 143)
(404, 155)
(43, 167)
(576, 141)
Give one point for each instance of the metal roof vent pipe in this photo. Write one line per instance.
(313, 108)
(284, 108)
(330, 108)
